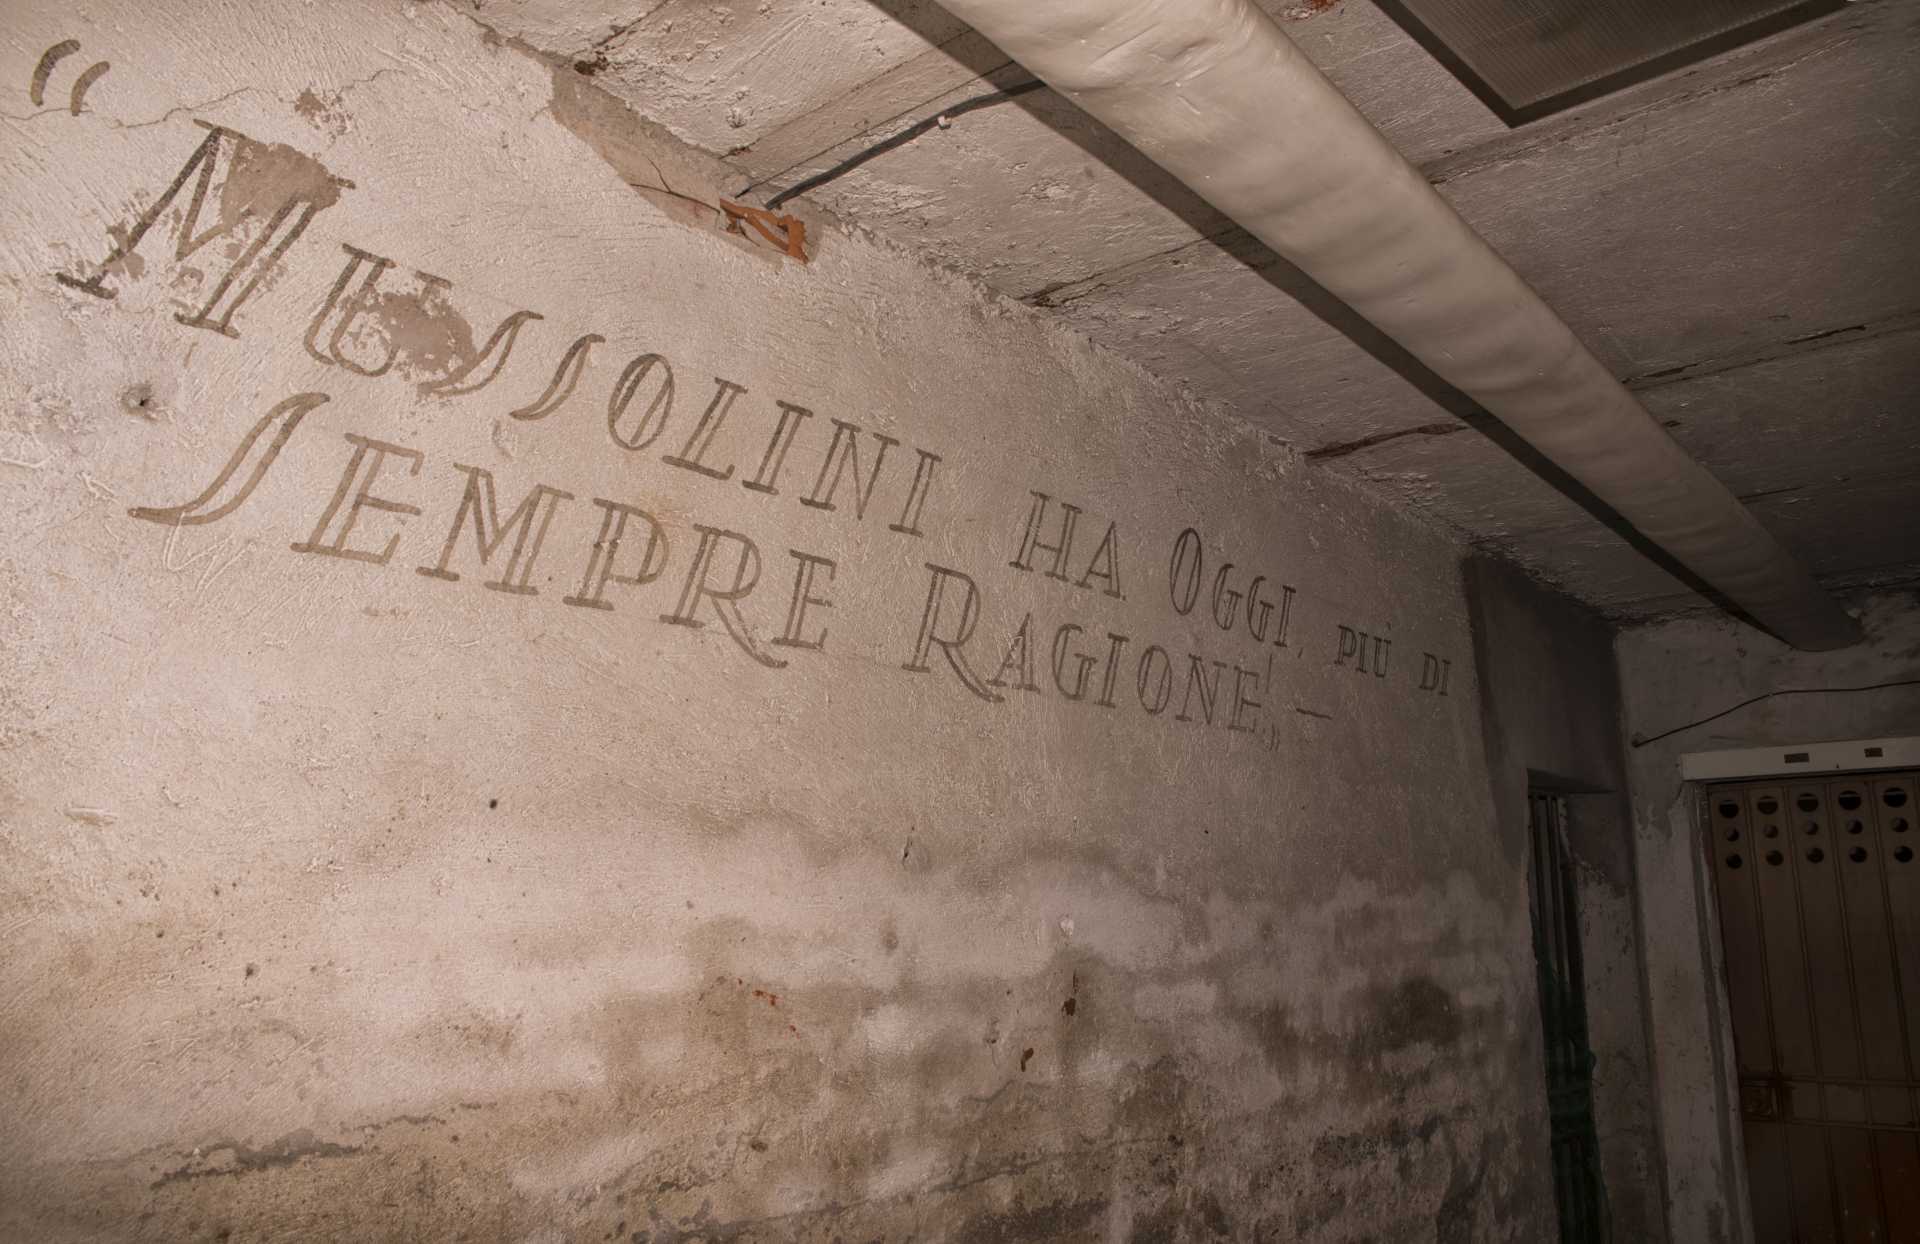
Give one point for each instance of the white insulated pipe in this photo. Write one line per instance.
(1213, 92)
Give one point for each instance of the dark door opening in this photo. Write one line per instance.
(1818, 890)
(1577, 1191)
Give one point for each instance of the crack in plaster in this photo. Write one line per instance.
(202, 105)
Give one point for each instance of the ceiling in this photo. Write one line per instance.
(1739, 242)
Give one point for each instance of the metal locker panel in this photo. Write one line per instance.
(1824, 939)
(1899, 1154)
(1734, 861)
(1803, 1101)
(1820, 922)
(1771, 1180)
(1786, 960)
(1846, 1103)
(1857, 1186)
(1887, 804)
(1892, 1105)
(1811, 1185)
(1870, 936)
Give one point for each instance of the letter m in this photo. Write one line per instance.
(259, 197)
(530, 518)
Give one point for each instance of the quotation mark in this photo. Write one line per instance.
(44, 70)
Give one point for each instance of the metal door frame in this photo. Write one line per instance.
(1699, 772)
(1553, 901)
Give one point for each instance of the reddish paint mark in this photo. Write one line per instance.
(773, 999)
(1025, 1055)
(788, 233)
(1303, 9)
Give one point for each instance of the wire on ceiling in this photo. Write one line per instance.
(901, 139)
(1641, 740)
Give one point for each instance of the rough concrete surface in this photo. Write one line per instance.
(1679, 673)
(525, 715)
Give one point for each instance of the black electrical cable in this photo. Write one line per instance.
(1642, 740)
(900, 140)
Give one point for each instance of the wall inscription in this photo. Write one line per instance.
(244, 205)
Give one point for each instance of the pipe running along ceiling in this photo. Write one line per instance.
(1217, 95)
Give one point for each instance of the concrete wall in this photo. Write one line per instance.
(1550, 695)
(1673, 675)
(490, 748)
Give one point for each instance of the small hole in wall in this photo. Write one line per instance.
(493, 803)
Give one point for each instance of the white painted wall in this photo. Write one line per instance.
(346, 900)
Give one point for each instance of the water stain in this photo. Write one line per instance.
(232, 1157)
(1410, 1012)
(1064, 1220)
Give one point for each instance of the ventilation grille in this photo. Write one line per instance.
(1528, 58)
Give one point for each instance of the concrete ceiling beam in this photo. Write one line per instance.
(1216, 94)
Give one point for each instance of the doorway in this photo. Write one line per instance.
(1818, 889)
(1554, 892)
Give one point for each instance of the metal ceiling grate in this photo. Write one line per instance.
(1526, 59)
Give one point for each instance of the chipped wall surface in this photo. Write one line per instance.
(526, 715)
(1685, 672)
